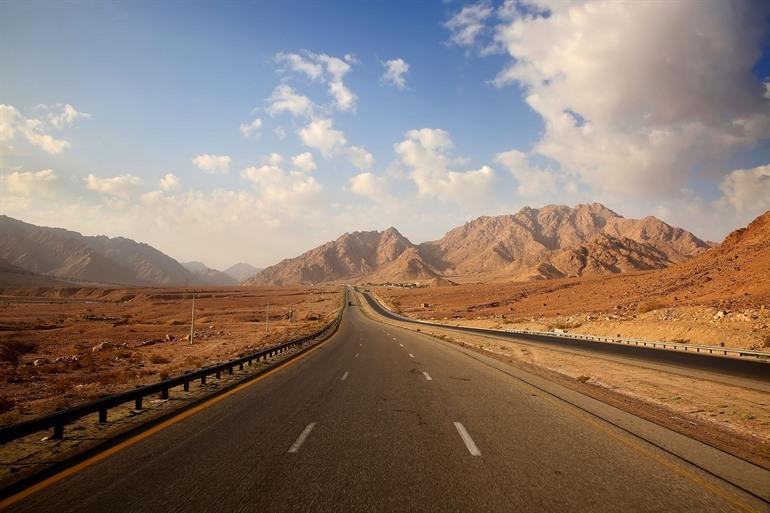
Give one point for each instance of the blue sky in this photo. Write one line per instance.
(160, 84)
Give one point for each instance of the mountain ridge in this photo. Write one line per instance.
(534, 243)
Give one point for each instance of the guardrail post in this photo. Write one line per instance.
(229, 370)
(102, 415)
(186, 386)
(203, 379)
(219, 374)
(164, 393)
(138, 403)
(240, 367)
(58, 432)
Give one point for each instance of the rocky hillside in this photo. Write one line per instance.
(205, 275)
(550, 242)
(241, 272)
(353, 255)
(68, 255)
(556, 241)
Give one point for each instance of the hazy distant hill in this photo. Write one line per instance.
(64, 254)
(241, 272)
(549, 242)
(206, 276)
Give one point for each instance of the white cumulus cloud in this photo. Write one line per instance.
(626, 116)
(370, 185)
(248, 129)
(427, 153)
(34, 130)
(304, 162)
(394, 72)
(468, 23)
(748, 190)
(122, 186)
(321, 135)
(285, 99)
(325, 68)
(212, 164)
(169, 182)
(27, 183)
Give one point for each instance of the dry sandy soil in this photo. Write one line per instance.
(607, 306)
(76, 344)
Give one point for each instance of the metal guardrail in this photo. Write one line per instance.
(58, 420)
(676, 346)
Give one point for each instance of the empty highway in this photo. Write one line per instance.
(380, 418)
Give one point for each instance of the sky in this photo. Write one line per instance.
(252, 131)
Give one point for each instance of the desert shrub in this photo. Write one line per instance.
(156, 358)
(649, 306)
(6, 404)
(766, 342)
(12, 351)
(583, 378)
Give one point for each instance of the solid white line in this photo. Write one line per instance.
(345, 376)
(469, 443)
(411, 355)
(402, 345)
(301, 438)
(427, 376)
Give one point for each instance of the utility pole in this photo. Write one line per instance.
(192, 320)
(267, 319)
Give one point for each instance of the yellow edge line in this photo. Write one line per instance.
(13, 499)
(626, 440)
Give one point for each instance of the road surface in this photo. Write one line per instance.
(745, 371)
(383, 419)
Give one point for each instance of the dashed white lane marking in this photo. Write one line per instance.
(356, 356)
(345, 376)
(427, 376)
(301, 438)
(411, 355)
(469, 443)
(402, 345)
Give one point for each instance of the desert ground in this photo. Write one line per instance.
(63, 346)
(619, 306)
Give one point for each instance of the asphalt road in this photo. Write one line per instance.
(746, 372)
(383, 419)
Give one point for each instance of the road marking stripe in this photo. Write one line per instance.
(345, 376)
(13, 499)
(402, 345)
(469, 443)
(427, 376)
(411, 355)
(356, 356)
(301, 438)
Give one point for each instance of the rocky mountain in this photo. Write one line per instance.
(550, 242)
(352, 255)
(736, 270)
(204, 275)
(63, 254)
(241, 272)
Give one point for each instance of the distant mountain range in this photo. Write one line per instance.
(37, 255)
(550, 242)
